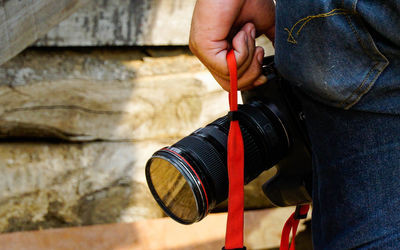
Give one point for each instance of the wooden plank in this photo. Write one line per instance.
(262, 231)
(125, 23)
(23, 22)
(45, 185)
(96, 94)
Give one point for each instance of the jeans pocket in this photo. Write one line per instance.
(324, 48)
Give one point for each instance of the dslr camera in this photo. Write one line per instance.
(190, 178)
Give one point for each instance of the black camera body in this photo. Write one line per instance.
(292, 185)
(189, 178)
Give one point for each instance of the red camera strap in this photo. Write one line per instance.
(291, 225)
(234, 227)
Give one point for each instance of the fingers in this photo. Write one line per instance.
(252, 75)
(248, 58)
(244, 45)
(251, 78)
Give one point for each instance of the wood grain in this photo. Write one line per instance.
(125, 23)
(23, 22)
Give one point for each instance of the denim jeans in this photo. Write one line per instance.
(344, 57)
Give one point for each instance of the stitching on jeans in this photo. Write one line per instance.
(353, 6)
(358, 38)
(344, 102)
(304, 21)
(359, 91)
(367, 53)
(349, 105)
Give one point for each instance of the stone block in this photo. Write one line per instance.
(99, 94)
(125, 22)
(46, 185)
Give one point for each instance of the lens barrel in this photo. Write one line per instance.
(189, 178)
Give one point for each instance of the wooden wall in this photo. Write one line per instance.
(22, 22)
(125, 22)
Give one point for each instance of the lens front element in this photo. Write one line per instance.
(176, 187)
(173, 189)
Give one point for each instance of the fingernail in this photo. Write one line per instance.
(253, 33)
(260, 58)
(260, 80)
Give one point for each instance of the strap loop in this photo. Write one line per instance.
(301, 212)
(291, 225)
(233, 116)
(234, 226)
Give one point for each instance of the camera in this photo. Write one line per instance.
(190, 178)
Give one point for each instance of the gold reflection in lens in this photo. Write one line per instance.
(173, 190)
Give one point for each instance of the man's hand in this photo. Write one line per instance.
(221, 25)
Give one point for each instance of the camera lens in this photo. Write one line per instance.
(189, 178)
(176, 186)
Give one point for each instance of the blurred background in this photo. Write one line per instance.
(99, 88)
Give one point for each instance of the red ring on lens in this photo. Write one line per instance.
(181, 157)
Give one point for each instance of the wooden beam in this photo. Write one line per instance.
(23, 22)
(125, 23)
(262, 231)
